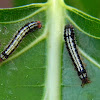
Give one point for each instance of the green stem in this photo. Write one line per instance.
(56, 25)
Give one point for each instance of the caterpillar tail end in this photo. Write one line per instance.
(1, 59)
(85, 81)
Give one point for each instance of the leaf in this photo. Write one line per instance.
(24, 2)
(91, 6)
(41, 68)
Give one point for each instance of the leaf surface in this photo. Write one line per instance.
(40, 67)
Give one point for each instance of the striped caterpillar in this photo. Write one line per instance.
(29, 27)
(69, 37)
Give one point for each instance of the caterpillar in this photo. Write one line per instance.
(69, 37)
(27, 28)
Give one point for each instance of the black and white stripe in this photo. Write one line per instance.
(29, 27)
(69, 37)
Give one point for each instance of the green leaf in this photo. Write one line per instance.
(24, 2)
(40, 68)
(91, 6)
